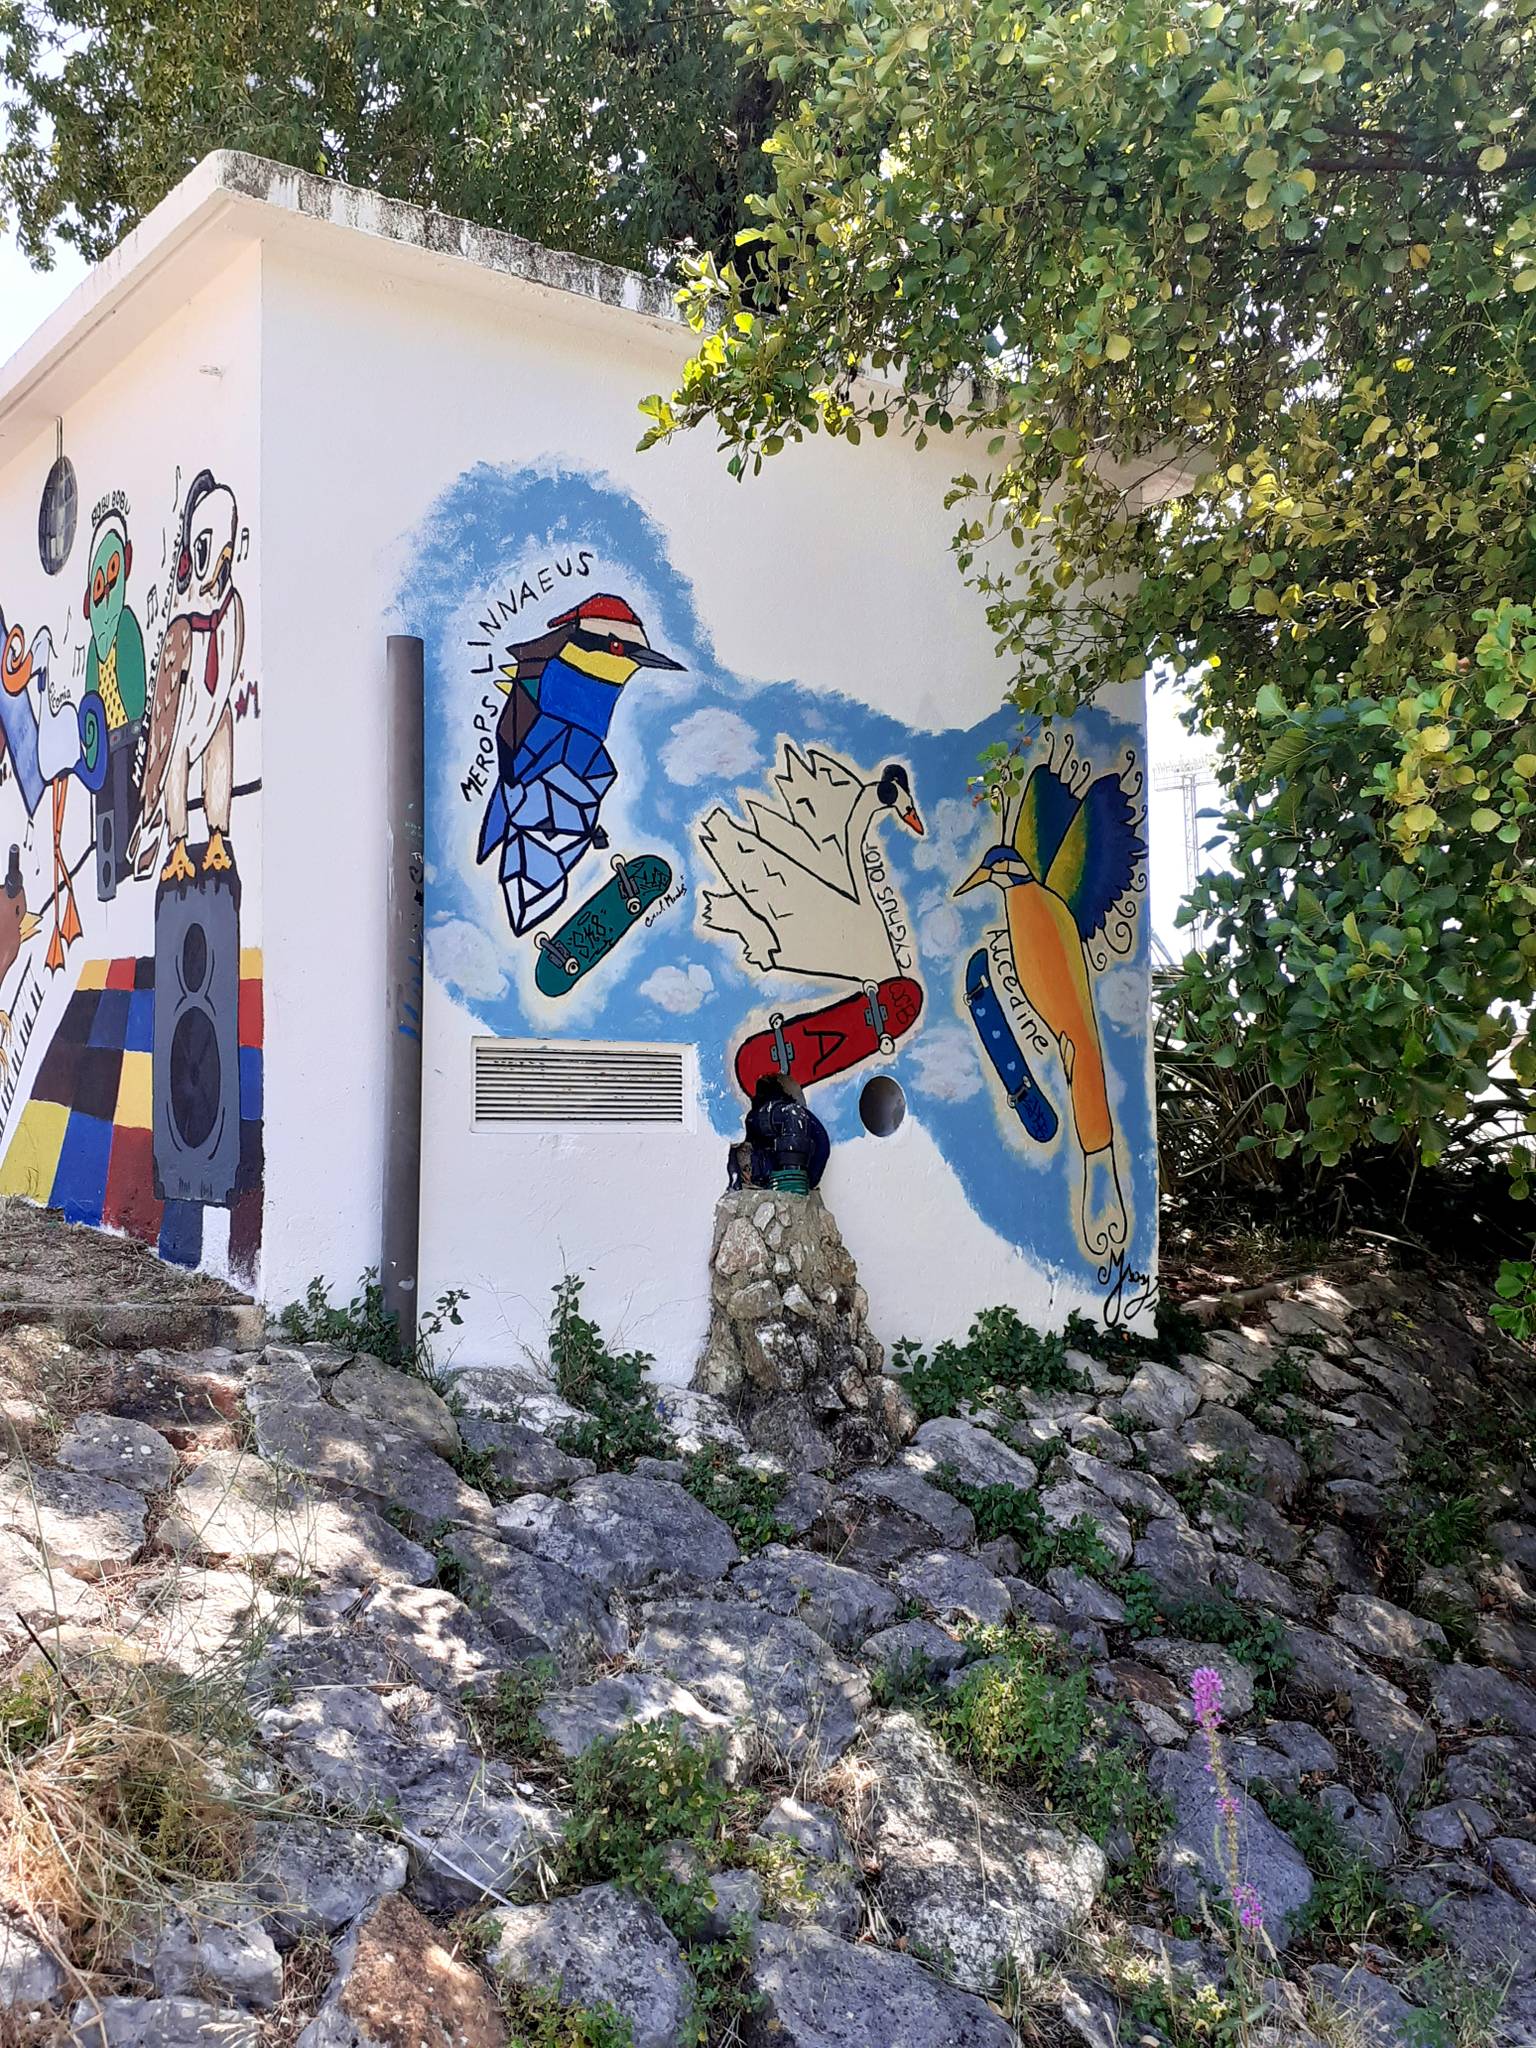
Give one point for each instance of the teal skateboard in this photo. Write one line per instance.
(591, 933)
(1004, 1051)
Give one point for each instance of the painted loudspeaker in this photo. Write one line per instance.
(196, 1059)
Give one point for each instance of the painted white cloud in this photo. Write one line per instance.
(940, 926)
(709, 743)
(1121, 995)
(957, 832)
(944, 1064)
(679, 990)
(464, 957)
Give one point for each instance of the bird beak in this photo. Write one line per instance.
(911, 820)
(225, 561)
(31, 925)
(650, 657)
(975, 880)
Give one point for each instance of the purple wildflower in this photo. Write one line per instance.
(1250, 1908)
(1206, 1692)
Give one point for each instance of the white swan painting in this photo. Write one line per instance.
(799, 892)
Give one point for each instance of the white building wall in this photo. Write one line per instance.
(385, 388)
(81, 1078)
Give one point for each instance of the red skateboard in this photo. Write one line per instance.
(831, 1040)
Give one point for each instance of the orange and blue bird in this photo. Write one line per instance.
(1065, 864)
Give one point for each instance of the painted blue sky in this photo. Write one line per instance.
(683, 743)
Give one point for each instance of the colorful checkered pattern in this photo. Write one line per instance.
(84, 1142)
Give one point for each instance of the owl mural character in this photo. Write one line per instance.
(193, 720)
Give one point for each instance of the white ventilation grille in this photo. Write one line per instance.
(521, 1081)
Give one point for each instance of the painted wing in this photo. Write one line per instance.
(170, 675)
(1045, 814)
(1096, 860)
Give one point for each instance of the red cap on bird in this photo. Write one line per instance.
(606, 617)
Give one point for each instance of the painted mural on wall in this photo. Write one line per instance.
(626, 841)
(131, 1035)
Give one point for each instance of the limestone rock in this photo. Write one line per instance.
(1191, 1856)
(618, 1533)
(815, 1830)
(1159, 1396)
(397, 1986)
(1083, 1597)
(1467, 1695)
(107, 1447)
(160, 2023)
(91, 1527)
(521, 1460)
(694, 1421)
(388, 1466)
(467, 1826)
(841, 1604)
(531, 1606)
(1068, 1499)
(573, 1721)
(220, 1956)
(956, 1587)
(790, 1351)
(1133, 1492)
(601, 1947)
(1499, 1771)
(1222, 1434)
(421, 1633)
(397, 1401)
(41, 1593)
(315, 1876)
(962, 1873)
(1455, 1824)
(1378, 2015)
(1515, 1860)
(1368, 1821)
(821, 1992)
(1179, 1661)
(29, 1976)
(232, 1506)
(765, 1671)
(878, 1518)
(974, 1455)
(913, 1646)
(1379, 1629)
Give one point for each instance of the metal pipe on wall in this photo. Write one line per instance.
(404, 821)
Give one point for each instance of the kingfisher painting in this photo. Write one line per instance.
(553, 763)
(1070, 857)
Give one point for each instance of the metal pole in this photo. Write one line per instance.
(402, 1077)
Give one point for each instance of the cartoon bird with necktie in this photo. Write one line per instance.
(193, 718)
(553, 766)
(1065, 865)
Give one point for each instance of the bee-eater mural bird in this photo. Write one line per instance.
(1066, 863)
(553, 767)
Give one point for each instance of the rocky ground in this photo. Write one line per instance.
(335, 1711)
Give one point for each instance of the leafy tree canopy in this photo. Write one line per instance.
(620, 129)
(1289, 251)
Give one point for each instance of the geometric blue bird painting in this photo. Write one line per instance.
(553, 768)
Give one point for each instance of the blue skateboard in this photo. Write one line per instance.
(1002, 1049)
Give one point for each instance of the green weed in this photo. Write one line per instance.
(621, 1423)
(537, 2019)
(1018, 1722)
(1003, 1510)
(649, 1809)
(1255, 1638)
(743, 1499)
(504, 1722)
(1177, 1335)
(365, 1324)
(1000, 1353)
(1350, 1901)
